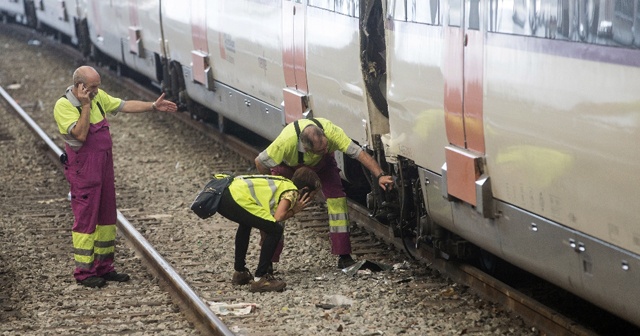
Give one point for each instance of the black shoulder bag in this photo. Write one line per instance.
(207, 201)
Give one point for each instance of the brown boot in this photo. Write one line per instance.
(242, 278)
(268, 284)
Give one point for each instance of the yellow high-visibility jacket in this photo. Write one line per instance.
(260, 194)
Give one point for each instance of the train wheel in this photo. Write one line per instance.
(96, 55)
(488, 262)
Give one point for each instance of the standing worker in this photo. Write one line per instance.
(264, 202)
(88, 167)
(312, 143)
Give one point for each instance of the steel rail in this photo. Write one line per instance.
(190, 303)
(533, 312)
(485, 285)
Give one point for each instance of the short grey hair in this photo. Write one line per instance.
(80, 74)
(310, 135)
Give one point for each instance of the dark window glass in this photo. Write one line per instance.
(603, 22)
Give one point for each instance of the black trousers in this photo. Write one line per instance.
(246, 220)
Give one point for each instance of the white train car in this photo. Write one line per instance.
(520, 121)
(20, 11)
(266, 63)
(334, 71)
(229, 55)
(64, 17)
(128, 32)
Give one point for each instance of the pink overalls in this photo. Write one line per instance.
(89, 172)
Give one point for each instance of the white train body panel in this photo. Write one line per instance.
(334, 73)
(558, 124)
(570, 156)
(13, 8)
(247, 47)
(244, 50)
(557, 134)
(61, 15)
(415, 90)
(127, 31)
(176, 19)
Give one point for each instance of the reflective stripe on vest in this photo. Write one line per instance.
(260, 194)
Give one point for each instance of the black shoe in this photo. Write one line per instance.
(115, 276)
(345, 261)
(93, 282)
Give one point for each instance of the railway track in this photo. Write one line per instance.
(147, 301)
(161, 177)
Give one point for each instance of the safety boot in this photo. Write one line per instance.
(242, 278)
(345, 261)
(93, 282)
(115, 276)
(267, 283)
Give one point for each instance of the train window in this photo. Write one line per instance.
(397, 10)
(348, 7)
(637, 26)
(324, 4)
(455, 13)
(424, 11)
(603, 22)
(473, 14)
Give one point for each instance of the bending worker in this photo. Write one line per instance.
(312, 143)
(88, 166)
(264, 202)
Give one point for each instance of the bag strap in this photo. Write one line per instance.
(80, 107)
(268, 177)
(297, 127)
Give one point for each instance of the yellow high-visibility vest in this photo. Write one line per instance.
(260, 194)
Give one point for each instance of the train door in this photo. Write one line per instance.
(135, 30)
(464, 50)
(202, 72)
(294, 59)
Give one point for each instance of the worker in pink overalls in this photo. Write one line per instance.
(312, 143)
(88, 162)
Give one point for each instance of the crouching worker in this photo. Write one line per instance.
(264, 202)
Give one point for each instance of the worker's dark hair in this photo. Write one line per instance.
(306, 177)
